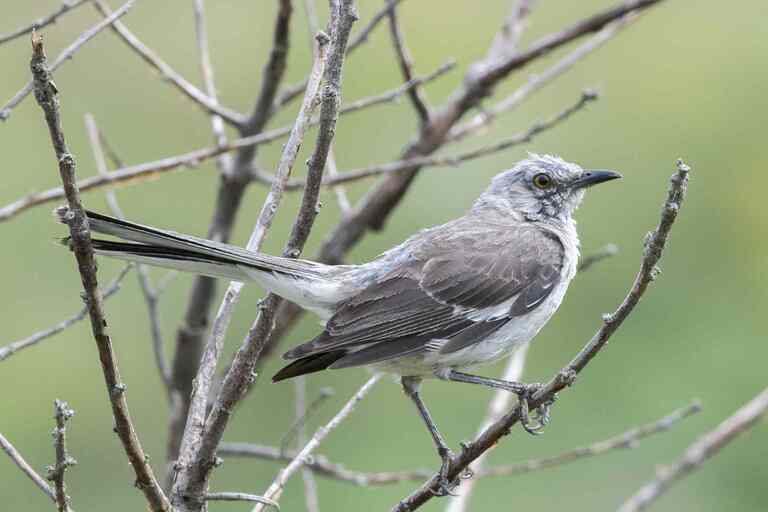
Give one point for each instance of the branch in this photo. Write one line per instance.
(654, 246)
(64, 56)
(65, 7)
(195, 458)
(150, 295)
(207, 103)
(498, 405)
(46, 95)
(699, 452)
(240, 496)
(275, 490)
(404, 59)
(626, 440)
(11, 348)
(24, 466)
(506, 41)
(321, 465)
(62, 414)
(539, 80)
(152, 170)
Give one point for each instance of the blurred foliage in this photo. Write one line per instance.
(686, 80)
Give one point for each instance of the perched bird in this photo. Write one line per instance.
(448, 299)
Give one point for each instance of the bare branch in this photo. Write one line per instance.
(65, 55)
(65, 7)
(416, 95)
(498, 405)
(112, 288)
(275, 490)
(654, 245)
(294, 91)
(195, 456)
(240, 496)
(24, 466)
(46, 95)
(507, 39)
(62, 414)
(626, 440)
(95, 137)
(206, 68)
(706, 447)
(166, 71)
(302, 414)
(538, 81)
(604, 252)
(152, 170)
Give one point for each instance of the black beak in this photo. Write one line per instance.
(593, 177)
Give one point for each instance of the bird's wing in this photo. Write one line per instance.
(456, 289)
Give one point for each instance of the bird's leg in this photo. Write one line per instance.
(523, 391)
(411, 387)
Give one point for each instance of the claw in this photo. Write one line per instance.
(542, 412)
(445, 486)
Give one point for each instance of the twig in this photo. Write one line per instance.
(206, 68)
(294, 91)
(66, 54)
(416, 95)
(604, 252)
(706, 447)
(24, 466)
(11, 348)
(240, 496)
(303, 413)
(322, 466)
(654, 245)
(46, 95)
(538, 81)
(195, 457)
(507, 38)
(62, 414)
(65, 7)
(275, 490)
(498, 405)
(166, 71)
(152, 170)
(150, 295)
(626, 440)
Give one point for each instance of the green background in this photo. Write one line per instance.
(689, 79)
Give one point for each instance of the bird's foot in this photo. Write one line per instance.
(542, 413)
(445, 485)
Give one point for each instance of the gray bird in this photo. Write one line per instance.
(448, 299)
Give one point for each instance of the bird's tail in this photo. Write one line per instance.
(188, 253)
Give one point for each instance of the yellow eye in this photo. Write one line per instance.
(542, 181)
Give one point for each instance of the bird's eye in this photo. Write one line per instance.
(542, 181)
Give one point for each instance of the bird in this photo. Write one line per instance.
(446, 300)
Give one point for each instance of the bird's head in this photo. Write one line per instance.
(543, 187)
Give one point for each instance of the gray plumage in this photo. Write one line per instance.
(449, 298)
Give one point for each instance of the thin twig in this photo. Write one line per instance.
(25, 468)
(538, 81)
(46, 95)
(152, 170)
(65, 7)
(601, 254)
(706, 447)
(240, 496)
(507, 38)
(626, 440)
(275, 490)
(303, 412)
(62, 414)
(416, 95)
(195, 458)
(166, 71)
(112, 288)
(65, 55)
(321, 465)
(654, 245)
(95, 137)
(498, 405)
